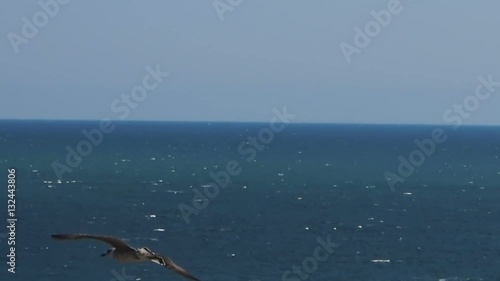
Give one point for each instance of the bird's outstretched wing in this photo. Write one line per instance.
(168, 263)
(115, 242)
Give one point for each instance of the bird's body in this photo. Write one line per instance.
(122, 252)
(128, 256)
(138, 255)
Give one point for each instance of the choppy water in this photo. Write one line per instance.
(310, 182)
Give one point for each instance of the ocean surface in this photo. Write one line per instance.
(290, 192)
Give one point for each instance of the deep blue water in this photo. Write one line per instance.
(310, 182)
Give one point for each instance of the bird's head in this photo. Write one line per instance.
(108, 252)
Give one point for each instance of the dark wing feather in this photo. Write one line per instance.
(168, 263)
(115, 242)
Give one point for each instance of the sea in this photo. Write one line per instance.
(251, 201)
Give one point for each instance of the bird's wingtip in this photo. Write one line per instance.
(58, 236)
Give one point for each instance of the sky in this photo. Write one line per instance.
(326, 61)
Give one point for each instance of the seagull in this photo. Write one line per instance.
(122, 252)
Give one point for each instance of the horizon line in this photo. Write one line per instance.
(249, 122)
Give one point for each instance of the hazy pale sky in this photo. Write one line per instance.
(236, 60)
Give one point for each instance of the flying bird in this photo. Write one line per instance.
(123, 252)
